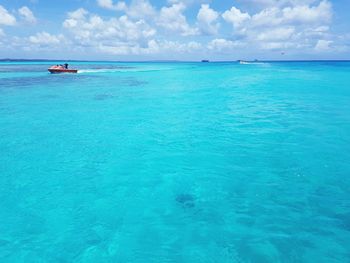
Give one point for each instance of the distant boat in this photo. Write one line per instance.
(243, 62)
(61, 69)
(205, 60)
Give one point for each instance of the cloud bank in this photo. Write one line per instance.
(187, 27)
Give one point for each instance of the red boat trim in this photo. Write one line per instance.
(51, 70)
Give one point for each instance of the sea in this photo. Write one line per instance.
(175, 162)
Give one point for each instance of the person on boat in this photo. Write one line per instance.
(66, 65)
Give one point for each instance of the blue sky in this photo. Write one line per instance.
(175, 29)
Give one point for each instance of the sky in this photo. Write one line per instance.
(186, 30)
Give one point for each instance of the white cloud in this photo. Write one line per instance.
(6, 18)
(136, 9)
(276, 34)
(152, 47)
(136, 27)
(291, 24)
(140, 9)
(267, 17)
(306, 14)
(78, 14)
(207, 20)
(272, 45)
(276, 3)
(235, 16)
(121, 36)
(108, 4)
(70, 23)
(156, 46)
(45, 39)
(221, 44)
(27, 14)
(91, 31)
(172, 18)
(300, 14)
(274, 16)
(323, 45)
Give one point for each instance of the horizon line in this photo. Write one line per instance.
(166, 60)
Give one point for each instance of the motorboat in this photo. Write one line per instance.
(61, 69)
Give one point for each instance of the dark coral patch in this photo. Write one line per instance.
(186, 200)
(132, 82)
(103, 97)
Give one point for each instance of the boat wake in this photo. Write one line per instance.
(252, 63)
(126, 69)
(102, 70)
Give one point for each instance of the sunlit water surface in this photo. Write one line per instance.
(175, 162)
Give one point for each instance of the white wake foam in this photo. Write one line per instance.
(109, 70)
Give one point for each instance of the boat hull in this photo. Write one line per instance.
(57, 71)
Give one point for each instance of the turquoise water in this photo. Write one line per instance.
(175, 162)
